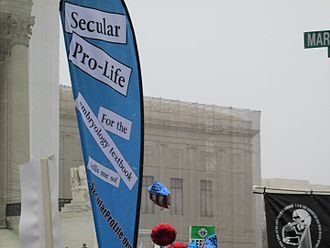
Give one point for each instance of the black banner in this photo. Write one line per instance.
(297, 221)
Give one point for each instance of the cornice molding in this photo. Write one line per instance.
(185, 126)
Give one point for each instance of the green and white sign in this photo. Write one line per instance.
(200, 233)
(317, 39)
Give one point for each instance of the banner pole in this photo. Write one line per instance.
(263, 189)
(47, 208)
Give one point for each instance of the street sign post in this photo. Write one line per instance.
(200, 233)
(317, 39)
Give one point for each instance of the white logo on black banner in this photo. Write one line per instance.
(298, 226)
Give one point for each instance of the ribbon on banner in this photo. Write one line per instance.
(107, 90)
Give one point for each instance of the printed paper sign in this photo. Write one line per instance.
(200, 233)
(97, 63)
(103, 173)
(105, 142)
(95, 24)
(115, 123)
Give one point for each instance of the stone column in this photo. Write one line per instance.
(3, 127)
(15, 31)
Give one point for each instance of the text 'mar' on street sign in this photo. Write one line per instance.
(317, 39)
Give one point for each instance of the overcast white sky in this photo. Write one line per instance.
(246, 54)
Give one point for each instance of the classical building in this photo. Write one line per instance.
(16, 25)
(29, 66)
(208, 156)
(29, 61)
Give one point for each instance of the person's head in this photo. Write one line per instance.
(302, 217)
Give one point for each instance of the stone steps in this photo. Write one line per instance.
(8, 239)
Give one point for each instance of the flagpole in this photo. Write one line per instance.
(262, 190)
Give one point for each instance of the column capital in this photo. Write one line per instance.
(14, 30)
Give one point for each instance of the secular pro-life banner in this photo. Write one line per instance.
(107, 90)
(297, 220)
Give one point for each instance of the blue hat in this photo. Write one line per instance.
(157, 188)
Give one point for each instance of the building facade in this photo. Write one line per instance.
(206, 155)
(28, 91)
(16, 24)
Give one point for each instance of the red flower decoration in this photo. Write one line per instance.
(178, 245)
(163, 234)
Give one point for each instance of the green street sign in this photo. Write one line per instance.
(317, 39)
(201, 232)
